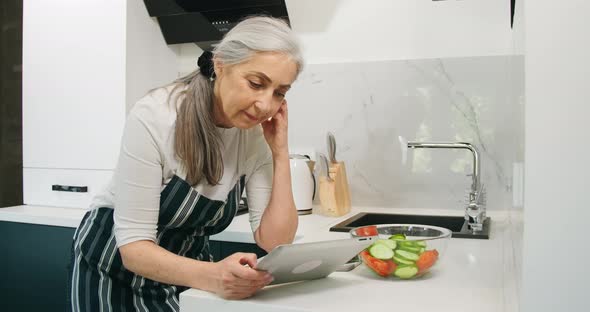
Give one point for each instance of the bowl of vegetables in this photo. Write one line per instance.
(404, 251)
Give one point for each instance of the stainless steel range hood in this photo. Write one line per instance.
(205, 22)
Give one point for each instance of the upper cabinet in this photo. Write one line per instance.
(73, 83)
(84, 64)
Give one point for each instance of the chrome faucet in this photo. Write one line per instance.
(475, 212)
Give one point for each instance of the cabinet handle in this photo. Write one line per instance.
(69, 188)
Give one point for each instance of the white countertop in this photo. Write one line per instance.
(238, 231)
(44, 215)
(312, 227)
(472, 275)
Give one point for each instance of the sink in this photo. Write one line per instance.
(457, 225)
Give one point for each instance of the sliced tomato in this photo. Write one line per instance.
(369, 230)
(427, 260)
(381, 267)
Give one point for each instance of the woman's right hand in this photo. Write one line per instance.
(238, 281)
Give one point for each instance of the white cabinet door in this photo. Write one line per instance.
(83, 63)
(73, 83)
(63, 188)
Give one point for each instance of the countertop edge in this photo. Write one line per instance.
(43, 215)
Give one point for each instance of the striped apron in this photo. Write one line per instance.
(100, 282)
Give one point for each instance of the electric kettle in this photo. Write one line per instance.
(302, 183)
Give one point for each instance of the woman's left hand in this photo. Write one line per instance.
(276, 131)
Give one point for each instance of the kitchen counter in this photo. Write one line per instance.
(472, 274)
(43, 215)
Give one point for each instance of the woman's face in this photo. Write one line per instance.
(251, 92)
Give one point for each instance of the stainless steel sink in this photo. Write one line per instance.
(457, 225)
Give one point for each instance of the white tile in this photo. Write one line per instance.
(368, 105)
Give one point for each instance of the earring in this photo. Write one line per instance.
(212, 78)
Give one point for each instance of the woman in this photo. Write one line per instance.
(187, 152)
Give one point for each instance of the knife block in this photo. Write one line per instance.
(334, 195)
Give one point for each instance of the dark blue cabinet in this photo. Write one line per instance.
(34, 263)
(225, 249)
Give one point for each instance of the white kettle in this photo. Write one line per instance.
(302, 183)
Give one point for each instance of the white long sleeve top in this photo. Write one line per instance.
(147, 162)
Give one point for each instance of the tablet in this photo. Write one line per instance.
(306, 261)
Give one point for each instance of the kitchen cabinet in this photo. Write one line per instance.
(73, 83)
(34, 267)
(221, 250)
(84, 65)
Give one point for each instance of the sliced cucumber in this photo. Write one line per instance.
(408, 255)
(420, 243)
(406, 271)
(398, 237)
(380, 251)
(413, 249)
(400, 260)
(413, 243)
(387, 242)
(405, 244)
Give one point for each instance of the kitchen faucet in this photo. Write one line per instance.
(475, 212)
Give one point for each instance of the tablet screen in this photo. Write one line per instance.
(296, 262)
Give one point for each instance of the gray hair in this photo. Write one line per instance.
(197, 142)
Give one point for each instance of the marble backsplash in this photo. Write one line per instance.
(368, 105)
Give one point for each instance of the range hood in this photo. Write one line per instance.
(205, 22)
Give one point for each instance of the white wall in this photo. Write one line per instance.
(513, 263)
(337, 31)
(473, 99)
(557, 211)
(371, 41)
(518, 28)
(188, 54)
(148, 58)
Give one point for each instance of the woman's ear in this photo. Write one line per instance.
(217, 67)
